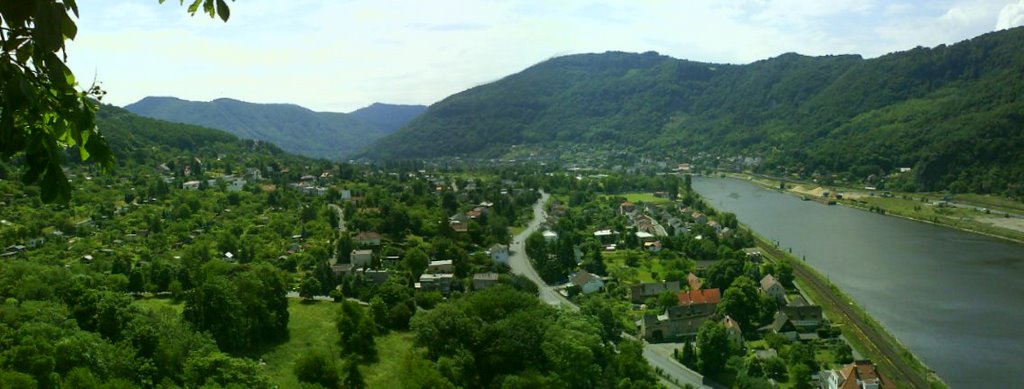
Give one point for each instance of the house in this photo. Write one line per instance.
(499, 253)
(641, 292)
(442, 266)
(236, 184)
(588, 283)
(771, 287)
(377, 277)
(435, 282)
(342, 270)
(781, 325)
(862, 374)
(605, 236)
(191, 185)
(253, 173)
(550, 236)
(693, 282)
(362, 258)
(368, 238)
(346, 194)
(699, 218)
(804, 316)
(627, 208)
(644, 236)
(681, 321)
(653, 247)
(700, 296)
(733, 331)
(483, 281)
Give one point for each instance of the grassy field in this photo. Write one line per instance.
(616, 264)
(644, 197)
(159, 303)
(971, 219)
(391, 348)
(967, 219)
(311, 326)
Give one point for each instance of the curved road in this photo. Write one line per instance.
(520, 264)
(678, 374)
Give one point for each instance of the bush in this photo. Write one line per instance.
(317, 368)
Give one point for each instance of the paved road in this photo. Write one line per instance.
(680, 375)
(521, 264)
(341, 216)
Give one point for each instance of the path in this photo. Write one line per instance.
(678, 374)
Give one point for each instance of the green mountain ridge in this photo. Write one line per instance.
(294, 128)
(951, 113)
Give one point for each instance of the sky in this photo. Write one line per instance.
(340, 55)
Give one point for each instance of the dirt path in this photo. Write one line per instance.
(891, 362)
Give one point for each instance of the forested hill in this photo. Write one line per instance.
(389, 117)
(952, 113)
(293, 128)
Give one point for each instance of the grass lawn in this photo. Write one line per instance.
(644, 197)
(311, 326)
(153, 303)
(391, 349)
(616, 263)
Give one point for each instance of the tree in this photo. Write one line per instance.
(222, 370)
(356, 330)
(713, 346)
(42, 112)
(742, 302)
(353, 378)
(536, 247)
(573, 348)
(310, 287)
(318, 368)
(415, 261)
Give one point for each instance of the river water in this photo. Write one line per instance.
(955, 299)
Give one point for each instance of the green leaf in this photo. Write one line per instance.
(223, 10)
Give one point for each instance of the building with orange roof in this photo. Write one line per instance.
(861, 374)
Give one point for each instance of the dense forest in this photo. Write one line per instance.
(295, 129)
(950, 113)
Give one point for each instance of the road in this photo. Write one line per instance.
(521, 264)
(341, 216)
(678, 374)
(891, 362)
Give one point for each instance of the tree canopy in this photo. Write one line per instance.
(43, 111)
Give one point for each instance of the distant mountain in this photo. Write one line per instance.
(954, 113)
(293, 128)
(389, 117)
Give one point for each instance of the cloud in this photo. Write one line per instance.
(1011, 16)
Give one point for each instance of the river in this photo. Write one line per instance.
(953, 298)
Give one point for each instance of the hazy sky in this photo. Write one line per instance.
(339, 55)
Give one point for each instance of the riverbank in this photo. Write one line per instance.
(864, 334)
(993, 218)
